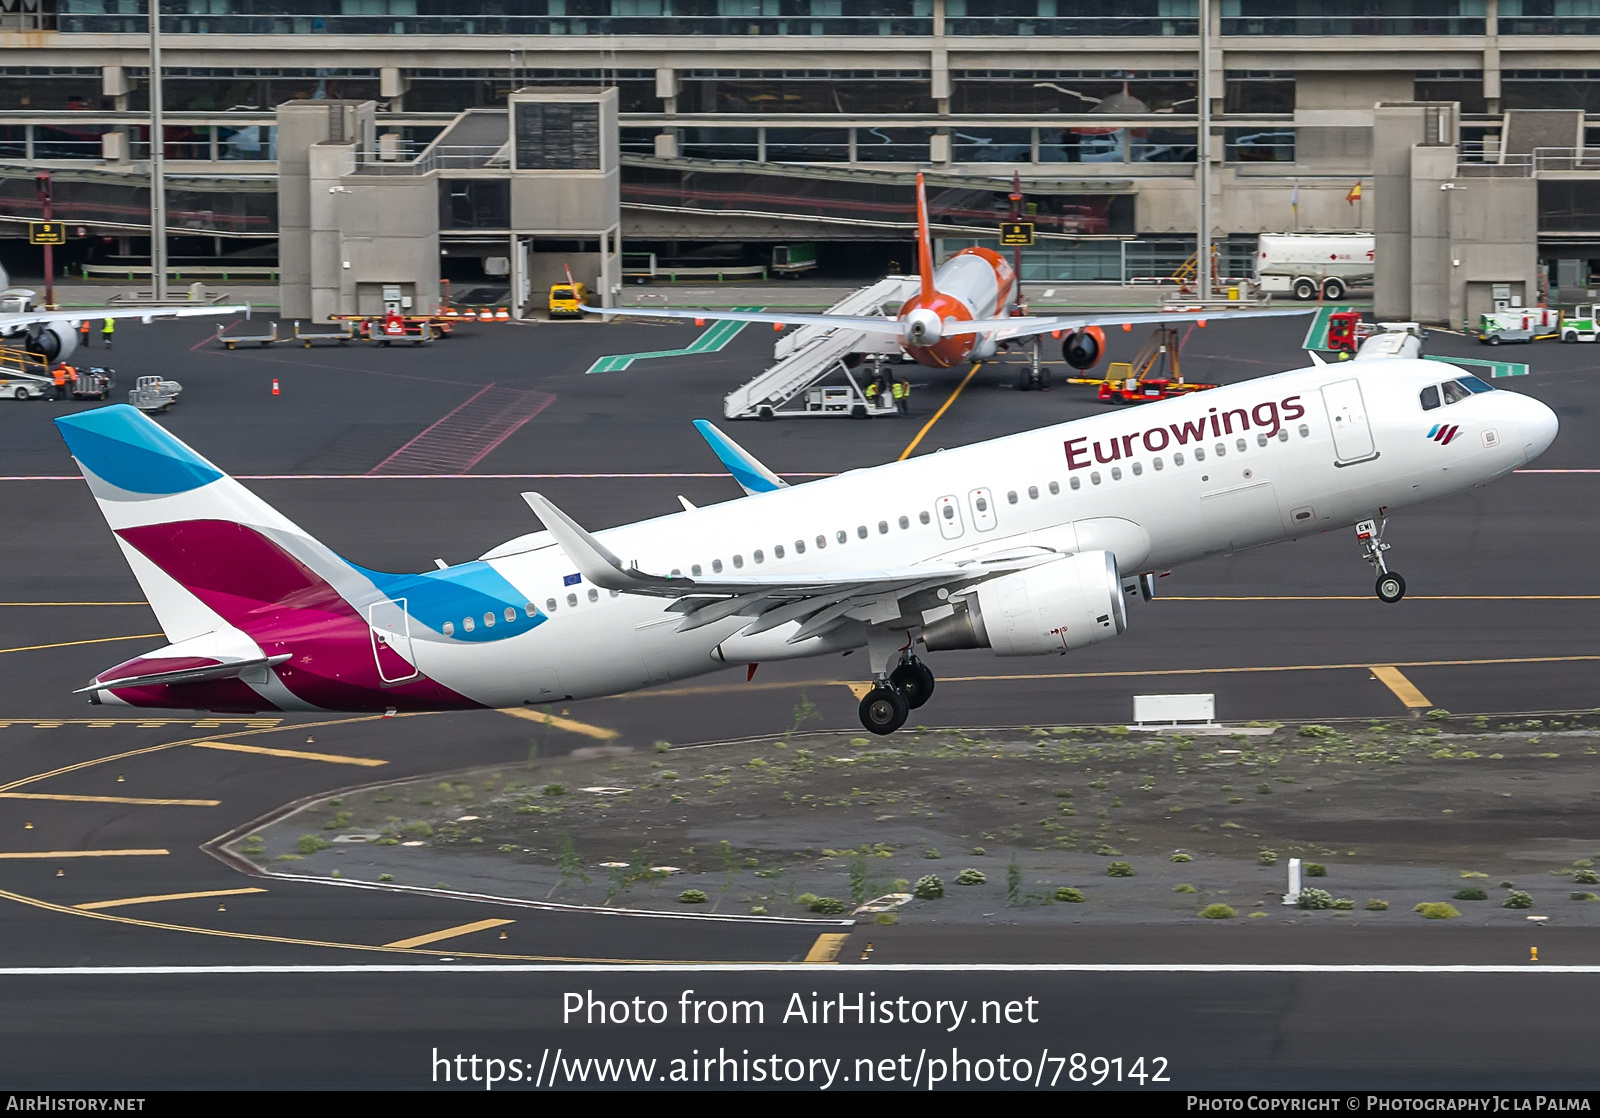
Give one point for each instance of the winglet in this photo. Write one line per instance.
(924, 241)
(751, 475)
(590, 556)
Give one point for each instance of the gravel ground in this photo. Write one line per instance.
(1402, 812)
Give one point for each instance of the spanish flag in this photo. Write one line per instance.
(1355, 194)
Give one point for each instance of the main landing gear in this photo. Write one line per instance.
(1391, 586)
(885, 708)
(1035, 376)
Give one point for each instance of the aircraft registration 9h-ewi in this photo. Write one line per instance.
(1025, 545)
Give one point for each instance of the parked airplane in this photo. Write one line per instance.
(53, 335)
(1025, 545)
(967, 310)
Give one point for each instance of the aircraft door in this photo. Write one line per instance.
(982, 502)
(391, 641)
(1347, 415)
(947, 511)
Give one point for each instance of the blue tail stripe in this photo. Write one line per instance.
(125, 448)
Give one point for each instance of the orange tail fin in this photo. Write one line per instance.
(924, 241)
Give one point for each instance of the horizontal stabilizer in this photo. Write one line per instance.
(751, 475)
(187, 675)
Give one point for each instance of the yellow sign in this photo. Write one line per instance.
(1016, 234)
(47, 232)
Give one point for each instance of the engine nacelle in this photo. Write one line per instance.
(1054, 607)
(55, 341)
(924, 327)
(1082, 348)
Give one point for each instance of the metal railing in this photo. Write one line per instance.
(1478, 161)
(443, 157)
(1354, 25)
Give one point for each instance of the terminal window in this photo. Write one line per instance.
(557, 136)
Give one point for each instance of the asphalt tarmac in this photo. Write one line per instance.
(1499, 619)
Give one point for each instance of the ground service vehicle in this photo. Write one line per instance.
(1517, 324)
(1307, 263)
(1582, 325)
(94, 383)
(154, 394)
(567, 300)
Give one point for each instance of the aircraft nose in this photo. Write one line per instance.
(1539, 428)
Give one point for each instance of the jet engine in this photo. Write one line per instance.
(1054, 607)
(55, 341)
(1082, 348)
(924, 327)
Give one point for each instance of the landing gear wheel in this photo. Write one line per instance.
(914, 681)
(884, 710)
(1024, 380)
(1391, 587)
(1044, 380)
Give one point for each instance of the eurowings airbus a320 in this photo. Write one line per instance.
(1024, 545)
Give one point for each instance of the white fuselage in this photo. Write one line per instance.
(1136, 482)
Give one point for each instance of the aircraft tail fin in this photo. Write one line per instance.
(207, 552)
(751, 475)
(924, 241)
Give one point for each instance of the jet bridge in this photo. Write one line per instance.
(811, 375)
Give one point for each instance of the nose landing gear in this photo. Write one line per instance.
(1391, 586)
(885, 708)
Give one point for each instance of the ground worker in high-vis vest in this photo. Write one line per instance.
(106, 331)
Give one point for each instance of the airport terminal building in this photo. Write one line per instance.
(738, 128)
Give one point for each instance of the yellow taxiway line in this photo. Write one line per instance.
(11, 854)
(1406, 691)
(295, 754)
(95, 906)
(572, 726)
(449, 933)
(140, 800)
(75, 644)
(826, 949)
(928, 426)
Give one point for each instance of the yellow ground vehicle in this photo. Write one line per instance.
(567, 300)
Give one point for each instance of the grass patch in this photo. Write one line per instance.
(1070, 895)
(693, 896)
(1437, 910)
(1518, 899)
(1219, 912)
(1184, 889)
(1375, 905)
(1119, 869)
(1471, 893)
(971, 877)
(312, 844)
(928, 888)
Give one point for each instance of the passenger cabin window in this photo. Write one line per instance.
(511, 612)
(738, 561)
(488, 621)
(1240, 443)
(1054, 489)
(923, 517)
(799, 547)
(883, 527)
(905, 523)
(716, 566)
(777, 551)
(594, 595)
(840, 536)
(531, 610)
(1137, 468)
(572, 600)
(1261, 440)
(1033, 492)
(861, 531)
(757, 556)
(822, 541)
(949, 512)
(1430, 397)
(695, 570)
(1116, 473)
(1199, 454)
(1075, 483)
(1011, 497)
(466, 623)
(1453, 392)
(550, 605)
(1094, 476)
(1177, 458)
(1157, 463)
(449, 629)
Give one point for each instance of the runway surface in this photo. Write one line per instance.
(1501, 618)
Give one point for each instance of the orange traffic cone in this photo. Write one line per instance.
(502, 315)
(275, 391)
(486, 315)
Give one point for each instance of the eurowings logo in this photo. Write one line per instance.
(1442, 433)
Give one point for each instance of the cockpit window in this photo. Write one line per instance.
(1430, 397)
(1453, 392)
(1473, 384)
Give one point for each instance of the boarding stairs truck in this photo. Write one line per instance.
(795, 385)
(1304, 264)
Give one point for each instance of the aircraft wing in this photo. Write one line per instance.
(1027, 325)
(871, 325)
(9, 322)
(751, 475)
(819, 602)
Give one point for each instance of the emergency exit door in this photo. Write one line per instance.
(1347, 416)
(391, 641)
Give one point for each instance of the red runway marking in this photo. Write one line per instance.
(466, 435)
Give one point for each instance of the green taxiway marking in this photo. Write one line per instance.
(717, 335)
(1496, 368)
(1317, 332)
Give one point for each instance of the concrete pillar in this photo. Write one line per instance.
(1397, 128)
(1433, 167)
